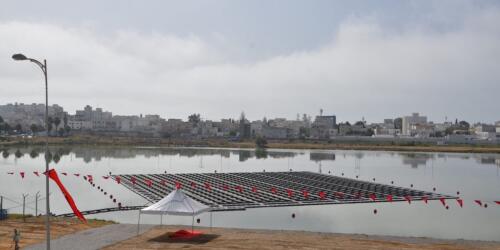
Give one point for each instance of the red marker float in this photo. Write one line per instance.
(408, 198)
(290, 192)
(424, 198)
(460, 202)
(442, 201)
(254, 190)
(22, 174)
(305, 193)
(118, 179)
(372, 197)
(478, 202)
(321, 195)
(207, 186)
(273, 190)
(36, 173)
(389, 198)
(133, 180)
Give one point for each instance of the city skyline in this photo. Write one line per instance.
(352, 59)
(238, 116)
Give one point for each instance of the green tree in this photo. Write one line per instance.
(57, 121)
(49, 124)
(260, 142)
(18, 128)
(194, 118)
(61, 131)
(34, 128)
(464, 124)
(398, 123)
(67, 129)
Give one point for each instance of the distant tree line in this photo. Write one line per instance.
(54, 125)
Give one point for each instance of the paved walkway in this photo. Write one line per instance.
(94, 238)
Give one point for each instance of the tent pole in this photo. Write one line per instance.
(192, 225)
(138, 222)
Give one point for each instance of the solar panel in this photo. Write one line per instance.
(230, 191)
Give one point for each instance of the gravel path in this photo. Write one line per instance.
(94, 238)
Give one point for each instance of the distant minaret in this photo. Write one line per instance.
(320, 112)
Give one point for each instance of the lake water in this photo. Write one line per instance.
(475, 176)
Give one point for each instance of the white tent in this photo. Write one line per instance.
(175, 203)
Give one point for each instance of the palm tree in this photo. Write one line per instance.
(49, 124)
(57, 121)
(34, 128)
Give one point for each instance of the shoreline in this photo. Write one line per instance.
(224, 143)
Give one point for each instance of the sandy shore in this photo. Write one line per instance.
(219, 238)
(33, 230)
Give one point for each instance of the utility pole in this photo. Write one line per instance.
(24, 206)
(36, 203)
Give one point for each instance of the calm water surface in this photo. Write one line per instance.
(475, 176)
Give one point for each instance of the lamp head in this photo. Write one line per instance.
(19, 57)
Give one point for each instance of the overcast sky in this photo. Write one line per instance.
(354, 59)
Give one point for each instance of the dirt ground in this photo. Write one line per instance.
(218, 238)
(33, 230)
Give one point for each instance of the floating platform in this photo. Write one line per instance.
(238, 191)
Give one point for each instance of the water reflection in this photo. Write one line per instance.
(89, 154)
(321, 156)
(415, 159)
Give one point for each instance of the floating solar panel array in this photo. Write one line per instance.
(233, 191)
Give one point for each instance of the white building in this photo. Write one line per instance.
(409, 121)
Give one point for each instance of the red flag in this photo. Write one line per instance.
(118, 179)
(178, 185)
(22, 174)
(65, 174)
(442, 201)
(389, 198)
(497, 202)
(373, 197)
(321, 195)
(478, 202)
(340, 195)
(207, 186)
(90, 177)
(290, 192)
(358, 195)
(53, 175)
(460, 202)
(305, 193)
(77, 175)
(408, 198)
(254, 190)
(36, 173)
(133, 180)
(149, 183)
(105, 177)
(424, 198)
(273, 190)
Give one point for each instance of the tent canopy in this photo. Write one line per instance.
(176, 203)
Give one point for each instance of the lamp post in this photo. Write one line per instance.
(43, 66)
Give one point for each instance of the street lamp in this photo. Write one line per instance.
(43, 66)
